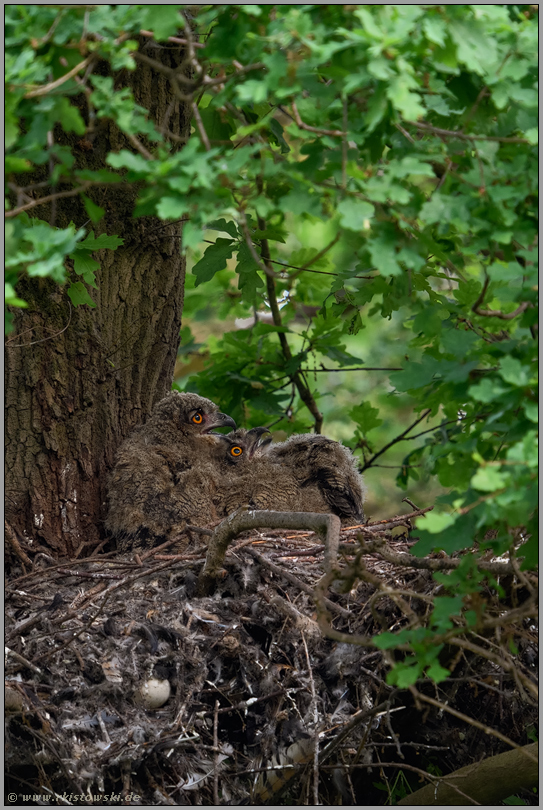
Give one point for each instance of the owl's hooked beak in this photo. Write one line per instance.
(258, 440)
(218, 420)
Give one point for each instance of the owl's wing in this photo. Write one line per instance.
(344, 498)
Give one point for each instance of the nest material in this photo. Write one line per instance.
(260, 707)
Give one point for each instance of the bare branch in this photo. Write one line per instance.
(46, 88)
(42, 200)
(334, 132)
(296, 581)
(472, 722)
(400, 438)
(378, 546)
(241, 520)
(200, 126)
(497, 313)
(449, 133)
(175, 40)
(139, 146)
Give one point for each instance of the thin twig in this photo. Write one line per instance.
(22, 660)
(315, 725)
(482, 93)
(405, 133)
(452, 133)
(42, 340)
(298, 583)
(344, 144)
(175, 40)
(472, 722)
(200, 126)
(402, 437)
(359, 717)
(216, 751)
(46, 88)
(50, 33)
(334, 132)
(77, 633)
(315, 259)
(304, 391)
(356, 368)
(136, 143)
(482, 188)
(42, 200)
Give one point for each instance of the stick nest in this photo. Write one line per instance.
(261, 707)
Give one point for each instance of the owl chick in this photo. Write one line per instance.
(163, 475)
(326, 475)
(240, 460)
(252, 477)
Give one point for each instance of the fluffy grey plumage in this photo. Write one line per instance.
(326, 475)
(250, 478)
(307, 473)
(165, 473)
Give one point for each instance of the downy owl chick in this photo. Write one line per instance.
(255, 479)
(161, 478)
(326, 475)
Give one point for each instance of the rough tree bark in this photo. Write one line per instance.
(79, 379)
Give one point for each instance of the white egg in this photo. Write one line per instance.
(153, 693)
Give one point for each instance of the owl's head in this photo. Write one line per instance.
(189, 414)
(244, 445)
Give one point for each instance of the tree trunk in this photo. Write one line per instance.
(79, 379)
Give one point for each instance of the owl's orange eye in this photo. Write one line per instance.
(236, 451)
(197, 418)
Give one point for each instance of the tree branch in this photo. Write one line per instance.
(453, 134)
(527, 752)
(304, 391)
(46, 88)
(334, 132)
(378, 546)
(400, 438)
(42, 200)
(240, 521)
(175, 40)
(497, 313)
(252, 250)
(354, 368)
(200, 126)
